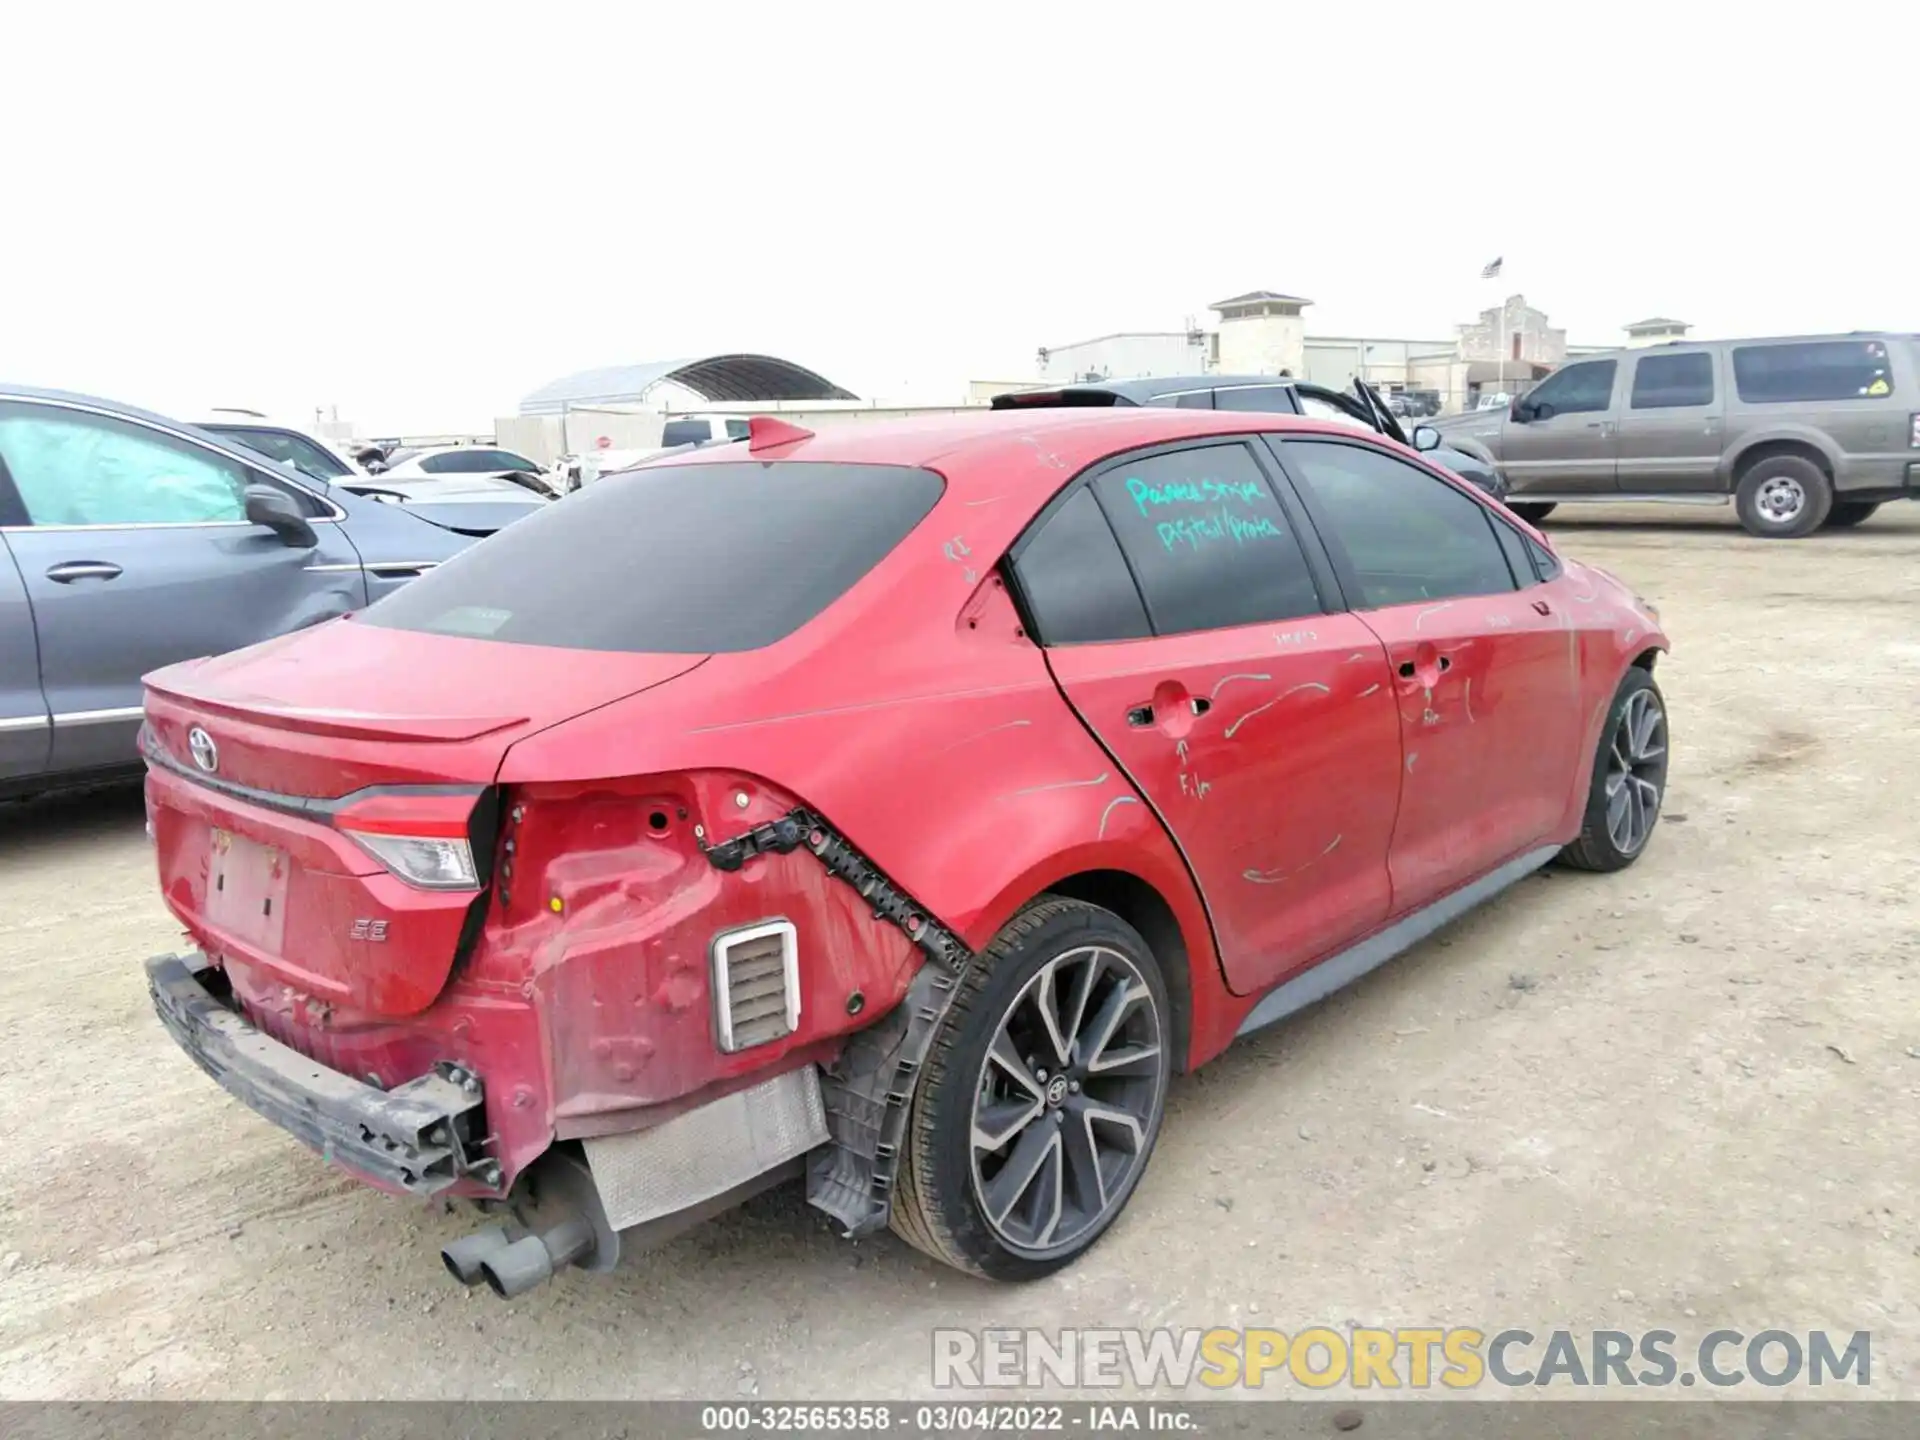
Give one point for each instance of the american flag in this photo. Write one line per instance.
(1493, 269)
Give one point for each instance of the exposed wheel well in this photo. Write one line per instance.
(1645, 659)
(1767, 449)
(1141, 906)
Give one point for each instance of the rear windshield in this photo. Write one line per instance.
(675, 559)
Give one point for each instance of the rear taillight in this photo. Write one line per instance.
(428, 862)
(1913, 431)
(425, 837)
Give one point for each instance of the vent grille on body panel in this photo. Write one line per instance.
(756, 985)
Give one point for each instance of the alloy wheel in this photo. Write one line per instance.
(1636, 772)
(1067, 1101)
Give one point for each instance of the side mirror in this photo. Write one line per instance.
(275, 510)
(1425, 437)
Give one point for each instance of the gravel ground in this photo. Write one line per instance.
(1683, 1096)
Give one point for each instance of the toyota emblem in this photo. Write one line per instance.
(205, 753)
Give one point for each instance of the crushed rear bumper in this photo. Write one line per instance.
(417, 1138)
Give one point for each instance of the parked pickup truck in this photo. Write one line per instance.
(1798, 433)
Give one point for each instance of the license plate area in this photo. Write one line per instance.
(247, 889)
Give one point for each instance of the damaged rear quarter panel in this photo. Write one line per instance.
(925, 729)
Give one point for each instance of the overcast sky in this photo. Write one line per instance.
(419, 212)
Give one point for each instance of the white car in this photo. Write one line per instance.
(471, 460)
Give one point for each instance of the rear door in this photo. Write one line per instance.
(1183, 606)
(1671, 435)
(24, 729)
(1562, 437)
(135, 552)
(1482, 661)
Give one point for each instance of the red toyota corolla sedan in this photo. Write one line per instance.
(899, 807)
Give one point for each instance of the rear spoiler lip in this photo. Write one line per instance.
(319, 809)
(339, 724)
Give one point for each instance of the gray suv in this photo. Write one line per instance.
(1797, 433)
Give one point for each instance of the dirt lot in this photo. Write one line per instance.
(1684, 1096)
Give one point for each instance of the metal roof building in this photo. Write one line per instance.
(716, 378)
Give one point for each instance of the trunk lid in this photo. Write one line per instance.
(263, 764)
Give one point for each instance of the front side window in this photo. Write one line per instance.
(1408, 536)
(1662, 382)
(76, 468)
(1075, 581)
(673, 559)
(1207, 539)
(1575, 390)
(1812, 370)
(739, 430)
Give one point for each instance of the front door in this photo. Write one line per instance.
(1671, 435)
(1560, 438)
(1261, 728)
(24, 730)
(136, 553)
(1482, 664)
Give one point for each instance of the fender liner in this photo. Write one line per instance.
(869, 1089)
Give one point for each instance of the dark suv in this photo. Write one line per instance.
(1361, 407)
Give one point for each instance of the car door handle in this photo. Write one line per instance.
(1543, 607)
(1141, 716)
(71, 570)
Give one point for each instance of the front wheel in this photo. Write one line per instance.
(1848, 513)
(1532, 513)
(1629, 779)
(1042, 1096)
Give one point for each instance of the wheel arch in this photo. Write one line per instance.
(1146, 910)
(1804, 445)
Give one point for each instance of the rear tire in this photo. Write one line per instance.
(1041, 1098)
(1783, 497)
(1629, 779)
(1848, 513)
(1533, 514)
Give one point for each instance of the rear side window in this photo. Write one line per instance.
(1812, 370)
(674, 559)
(1408, 536)
(1075, 581)
(1514, 545)
(1662, 382)
(1207, 540)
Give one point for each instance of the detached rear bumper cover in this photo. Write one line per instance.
(410, 1138)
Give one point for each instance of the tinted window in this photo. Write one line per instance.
(1408, 535)
(1663, 381)
(1268, 399)
(681, 559)
(1812, 370)
(287, 447)
(1544, 563)
(1184, 400)
(1514, 546)
(475, 462)
(685, 432)
(74, 468)
(1076, 584)
(1577, 389)
(738, 430)
(1207, 540)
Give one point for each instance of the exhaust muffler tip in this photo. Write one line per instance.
(532, 1260)
(466, 1257)
(514, 1269)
